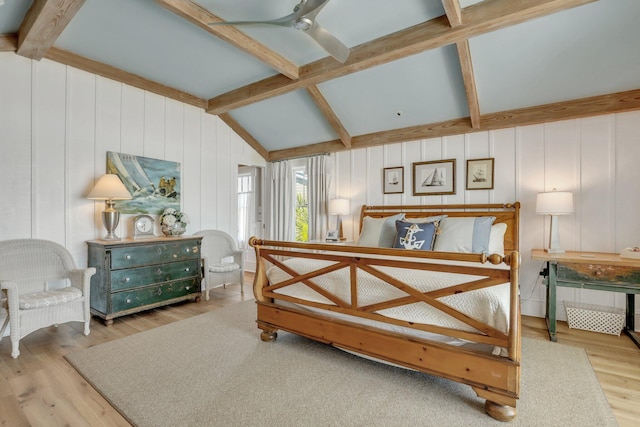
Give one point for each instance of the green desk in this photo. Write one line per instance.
(590, 270)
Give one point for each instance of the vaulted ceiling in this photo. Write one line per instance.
(416, 68)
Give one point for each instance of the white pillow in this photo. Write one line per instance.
(464, 234)
(496, 238)
(379, 232)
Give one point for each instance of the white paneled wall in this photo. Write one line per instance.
(597, 158)
(57, 124)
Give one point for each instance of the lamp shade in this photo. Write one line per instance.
(109, 187)
(339, 207)
(555, 203)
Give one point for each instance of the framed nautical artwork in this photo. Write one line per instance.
(434, 178)
(480, 174)
(393, 180)
(154, 184)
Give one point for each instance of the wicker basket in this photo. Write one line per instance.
(596, 318)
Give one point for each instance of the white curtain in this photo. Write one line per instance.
(282, 215)
(318, 197)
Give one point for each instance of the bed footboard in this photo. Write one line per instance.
(495, 378)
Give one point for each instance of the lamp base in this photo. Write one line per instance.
(110, 219)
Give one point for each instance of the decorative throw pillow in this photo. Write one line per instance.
(496, 238)
(415, 236)
(379, 232)
(464, 234)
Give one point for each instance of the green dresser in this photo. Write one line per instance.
(136, 275)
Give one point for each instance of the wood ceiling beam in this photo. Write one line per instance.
(329, 114)
(104, 70)
(201, 17)
(585, 107)
(453, 11)
(8, 42)
(484, 17)
(466, 65)
(454, 14)
(45, 21)
(246, 136)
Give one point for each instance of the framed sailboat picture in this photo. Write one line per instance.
(434, 178)
(393, 180)
(154, 184)
(480, 174)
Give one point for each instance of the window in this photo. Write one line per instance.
(302, 204)
(246, 201)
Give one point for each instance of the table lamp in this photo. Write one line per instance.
(339, 207)
(554, 203)
(110, 188)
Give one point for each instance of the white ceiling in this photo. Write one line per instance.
(589, 50)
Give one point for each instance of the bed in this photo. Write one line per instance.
(453, 311)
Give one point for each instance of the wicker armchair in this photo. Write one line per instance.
(42, 286)
(223, 262)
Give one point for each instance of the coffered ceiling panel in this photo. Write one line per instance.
(286, 121)
(408, 92)
(540, 62)
(139, 37)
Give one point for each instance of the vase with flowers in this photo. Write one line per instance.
(174, 222)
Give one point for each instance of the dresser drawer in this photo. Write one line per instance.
(130, 299)
(133, 256)
(143, 276)
(598, 273)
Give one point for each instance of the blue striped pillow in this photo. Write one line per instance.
(464, 234)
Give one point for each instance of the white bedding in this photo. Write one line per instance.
(488, 305)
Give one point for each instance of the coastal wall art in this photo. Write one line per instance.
(154, 184)
(434, 177)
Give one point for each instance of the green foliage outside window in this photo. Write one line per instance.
(302, 219)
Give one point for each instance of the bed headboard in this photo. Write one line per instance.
(508, 213)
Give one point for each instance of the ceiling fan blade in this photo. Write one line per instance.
(307, 8)
(328, 42)
(285, 21)
(303, 19)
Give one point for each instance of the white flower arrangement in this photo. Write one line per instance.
(170, 216)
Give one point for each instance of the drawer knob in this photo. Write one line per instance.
(187, 269)
(159, 291)
(175, 255)
(127, 256)
(598, 272)
(127, 279)
(128, 301)
(187, 250)
(187, 288)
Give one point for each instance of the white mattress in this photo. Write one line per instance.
(488, 305)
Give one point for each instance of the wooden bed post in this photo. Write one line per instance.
(259, 282)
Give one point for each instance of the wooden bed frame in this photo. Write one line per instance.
(494, 378)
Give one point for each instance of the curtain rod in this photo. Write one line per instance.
(300, 157)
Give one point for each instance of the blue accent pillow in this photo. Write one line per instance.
(415, 236)
(464, 234)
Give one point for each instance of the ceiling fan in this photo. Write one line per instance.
(303, 19)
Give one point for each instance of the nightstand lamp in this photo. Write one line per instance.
(110, 188)
(554, 203)
(339, 207)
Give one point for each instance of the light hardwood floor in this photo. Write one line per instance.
(41, 389)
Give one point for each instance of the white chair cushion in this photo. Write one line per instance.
(224, 267)
(48, 298)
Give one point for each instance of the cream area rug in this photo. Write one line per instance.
(213, 370)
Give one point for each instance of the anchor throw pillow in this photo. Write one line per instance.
(411, 235)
